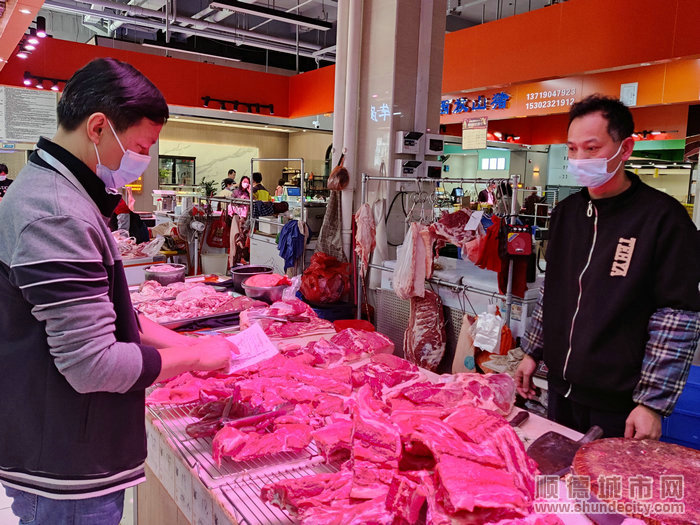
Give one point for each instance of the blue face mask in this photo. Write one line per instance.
(130, 168)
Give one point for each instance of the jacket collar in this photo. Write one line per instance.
(617, 200)
(105, 201)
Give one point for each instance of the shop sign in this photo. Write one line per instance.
(8, 146)
(550, 98)
(137, 185)
(382, 112)
(464, 105)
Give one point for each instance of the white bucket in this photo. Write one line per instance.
(214, 263)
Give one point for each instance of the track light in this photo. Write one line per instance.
(32, 39)
(23, 54)
(38, 81)
(206, 101)
(28, 47)
(41, 27)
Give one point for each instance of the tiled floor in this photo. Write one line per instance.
(7, 518)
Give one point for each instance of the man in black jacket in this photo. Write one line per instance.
(618, 318)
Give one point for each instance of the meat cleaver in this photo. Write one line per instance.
(554, 452)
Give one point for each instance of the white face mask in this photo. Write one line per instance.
(593, 173)
(2, 177)
(130, 168)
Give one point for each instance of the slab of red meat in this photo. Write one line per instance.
(429, 434)
(424, 339)
(490, 391)
(244, 446)
(347, 512)
(293, 308)
(376, 447)
(325, 353)
(450, 228)
(182, 389)
(405, 498)
(334, 440)
(365, 236)
(491, 430)
(357, 343)
(466, 485)
(384, 370)
(227, 442)
(298, 494)
(336, 380)
(327, 405)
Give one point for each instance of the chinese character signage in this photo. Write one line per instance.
(480, 103)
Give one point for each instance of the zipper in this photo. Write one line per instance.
(590, 211)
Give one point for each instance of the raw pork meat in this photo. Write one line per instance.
(347, 512)
(335, 438)
(467, 485)
(451, 228)
(324, 353)
(364, 236)
(298, 494)
(244, 446)
(182, 389)
(492, 431)
(376, 447)
(415, 262)
(358, 343)
(267, 280)
(384, 370)
(405, 498)
(424, 339)
(295, 310)
(490, 391)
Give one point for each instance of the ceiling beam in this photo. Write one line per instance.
(264, 12)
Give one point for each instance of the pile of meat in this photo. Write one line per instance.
(130, 249)
(408, 450)
(283, 319)
(179, 301)
(452, 228)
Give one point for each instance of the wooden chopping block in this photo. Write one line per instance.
(641, 464)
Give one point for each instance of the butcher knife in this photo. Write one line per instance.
(554, 452)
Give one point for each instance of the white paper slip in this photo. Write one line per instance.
(474, 220)
(253, 346)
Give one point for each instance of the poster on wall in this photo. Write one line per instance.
(27, 114)
(474, 133)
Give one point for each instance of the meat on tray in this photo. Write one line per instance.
(299, 319)
(190, 300)
(298, 494)
(245, 446)
(424, 339)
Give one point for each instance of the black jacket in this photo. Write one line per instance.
(611, 263)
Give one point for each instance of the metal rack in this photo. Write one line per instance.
(459, 287)
(197, 451)
(244, 495)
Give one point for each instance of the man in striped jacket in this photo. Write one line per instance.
(74, 365)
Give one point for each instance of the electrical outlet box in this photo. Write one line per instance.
(407, 168)
(409, 142)
(434, 144)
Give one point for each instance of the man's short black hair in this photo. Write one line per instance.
(226, 182)
(257, 177)
(3, 168)
(280, 182)
(619, 117)
(114, 88)
(232, 172)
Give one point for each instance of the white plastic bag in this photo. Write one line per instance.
(487, 330)
(290, 292)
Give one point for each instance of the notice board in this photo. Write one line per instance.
(27, 114)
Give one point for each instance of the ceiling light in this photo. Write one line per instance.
(39, 84)
(498, 134)
(25, 11)
(54, 87)
(23, 54)
(28, 47)
(32, 39)
(656, 132)
(41, 27)
(205, 101)
(27, 78)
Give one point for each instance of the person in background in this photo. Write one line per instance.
(75, 359)
(618, 318)
(243, 190)
(123, 218)
(227, 187)
(279, 190)
(232, 175)
(257, 182)
(488, 195)
(4, 181)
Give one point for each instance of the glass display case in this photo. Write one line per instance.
(176, 171)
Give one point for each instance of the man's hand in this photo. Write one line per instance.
(523, 377)
(214, 352)
(643, 423)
